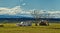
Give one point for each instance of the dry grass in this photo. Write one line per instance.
(12, 28)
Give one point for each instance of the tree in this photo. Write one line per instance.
(35, 14)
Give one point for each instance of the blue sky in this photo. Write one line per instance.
(32, 4)
(24, 7)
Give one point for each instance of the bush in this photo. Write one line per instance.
(1, 25)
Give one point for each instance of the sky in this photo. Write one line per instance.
(18, 7)
(32, 4)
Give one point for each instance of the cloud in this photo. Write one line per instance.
(50, 14)
(10, 11)
(20, 11)
(13, 11)
(47, 14)
(24, 4)
(16, 10)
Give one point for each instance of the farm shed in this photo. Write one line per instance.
(24, 23)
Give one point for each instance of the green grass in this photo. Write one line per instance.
(12, 28)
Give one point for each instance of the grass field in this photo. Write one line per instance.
(12, 28)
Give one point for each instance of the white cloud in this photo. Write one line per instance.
(10, 11)
(52, 14)
(13, 11)
(18, 11)
(47, 14)
(24, 4)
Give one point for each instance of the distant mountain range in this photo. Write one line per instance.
(11, 18)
